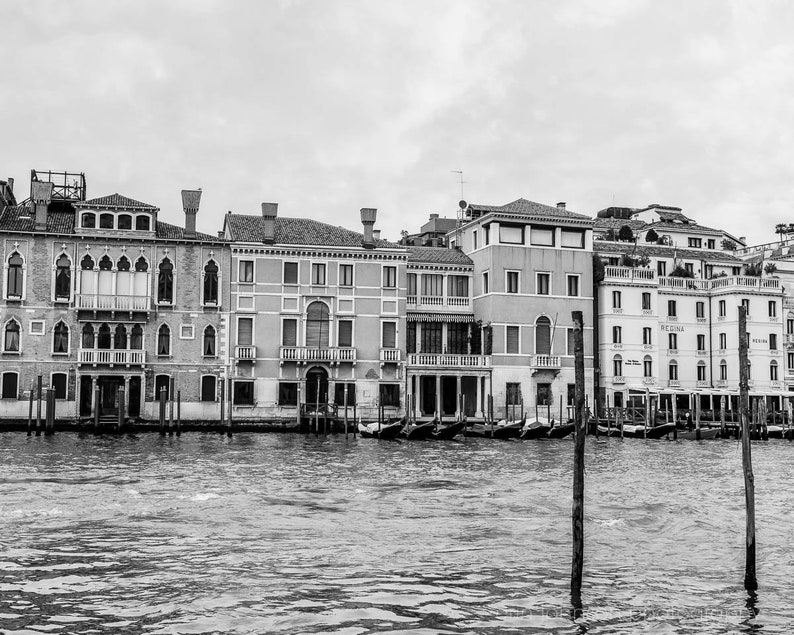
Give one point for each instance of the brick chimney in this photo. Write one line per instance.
(368, 216)
(269, 213)
(190, 203)
(42, 195)
(11, 184)
(561, 206)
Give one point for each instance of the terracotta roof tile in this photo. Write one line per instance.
(115, 200)
(664, 251)
(297, 231)
(18, 218)
(173, 232)
(530, 208)
(438, 255)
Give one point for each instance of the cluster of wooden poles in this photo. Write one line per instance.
(49, 411)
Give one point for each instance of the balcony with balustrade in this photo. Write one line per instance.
(449, 360)
(390, 356)
(328, 354)
(111, 357)
(245, 353)
(456, 304)
(545, 362)
(614, 274)
(104, 302)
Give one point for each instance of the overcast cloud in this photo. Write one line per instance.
(329, 106)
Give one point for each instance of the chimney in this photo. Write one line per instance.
(368, 215)
(561, 206)
(11, 184)
(42, 195)
(269, 213)
(432, 216)
(190, 203)
(376, 234)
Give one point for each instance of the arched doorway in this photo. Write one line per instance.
(316, 380)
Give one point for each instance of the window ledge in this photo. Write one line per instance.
(12, 352)
(66, 354)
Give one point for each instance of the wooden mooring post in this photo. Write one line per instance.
(750, 580)
(697, 417)
(345, 399)
(171, 407)
(38, 406)
(230, 424)
(577, 510)
(223, 402)
(30, 413)
(97, 408)
(120, 396)
(49, 424)
(178, 413)
(161, 413)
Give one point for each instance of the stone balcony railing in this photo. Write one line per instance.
(245, 352)
(390, 355)
(111, 357)
(317, 354)
(429, 302)
(102, 302)
(447, 360)
(628, 274)
(545, 361)
(645, 276)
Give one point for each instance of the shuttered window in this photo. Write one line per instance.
(543, 336)
(290, 273)
(317, 325)
(457, 338)
(389, 335)
(289, 335)
(431, 337)
(432, 284)
(245, 331)
(345, 333)
(511, 340)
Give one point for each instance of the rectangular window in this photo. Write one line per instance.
(700, 309)
(773, 371)
(208, 383)
(389, 277)
(245, 331)
(695, 242)
(646, 335)
(617, 366)
(318, 273)
(773, 341)
(647, 368)
(746, 305)
(486, 288)
(389, 335)
(790, 326)
(616, 300)
(617, 335)
(646, 301)
(511, 234)
(187, 332)
(246, 271)
(458, 286)
(543, 284)
(487, 231)
(572, 238)
(474, 239)
(10, 385)
(710, 243)
(37, 327)
(161, 383)
(345, 275)
(571, 344)
(701, 342)
(671, 308)
(432, 285)
(511, 340)
(457, 338)
(513, 393)
(790, 358)
(571, 394)
(723, 341)
(723, 371)
(345, 333)
(390, 395)
(573, 286)
(59, 384)
(511, 281)
(672, 371)
(772, 308)
(431, 337)
(243, 393)
(290, 273)
(412, 284)
(289, 332)
(661, 268)
(701, 372)
(689, 268)
(287, 393)
(410, 337)
(543, 395)
(339, 395)
(672, 342)
(722, 309)
(542, 236)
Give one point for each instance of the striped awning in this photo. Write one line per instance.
(439, 317)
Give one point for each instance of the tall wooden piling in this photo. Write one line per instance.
(178, 413)
(120, 396)
(223, 402)
(161, 412)
(230, 423)
(722, 416)
(30, 413)
(750, 580)
(317, 409)
(171, 406)
(345, 399)
(38, 406)
(647, 413)
(577, 510)
(49, 424)
(97, 408)
(697, 417)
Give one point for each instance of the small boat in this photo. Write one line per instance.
(420, 431)
(450, 431)
(705, 433)
(388, 430)
(774, 432)
(535, 429)
(657, 432)
(478, 430)
(560, 432)
(611, 431)
(508, 429)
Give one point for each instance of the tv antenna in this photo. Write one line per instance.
(460, 173)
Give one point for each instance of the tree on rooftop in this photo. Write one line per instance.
(728, 244)
(681, 272)
(625, 234)
(770, 268)
(651, 236)
(753, 269)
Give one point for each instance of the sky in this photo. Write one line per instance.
(328, 106)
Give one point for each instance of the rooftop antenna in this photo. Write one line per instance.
(460, 172)
(462, 205)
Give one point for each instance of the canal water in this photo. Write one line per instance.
(297, 534)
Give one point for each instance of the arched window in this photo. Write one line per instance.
(142, 223)
(543, 336)
(88, 336)
(165, 282)
(647, 366)
(723, 370)
(60, 338)
(103, 340)
(87, 263)
(617, 366)
(125, 221)
(63, 278)
(16, 276)
(701, 370)
(773, 370)
(11, 337)
(211, 283)
(105, 263)
(208, 343)
(141, 264)
(120, 337)
(123, 264)
(164, 340)
(88, 219)
(317, 325)
(208, 383)
(106, 221)
(672, 370)
(136, 338)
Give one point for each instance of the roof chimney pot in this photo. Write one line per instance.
(42, 195)
(368, 216)
(190, 204)
(561, 206)
(269, 213)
